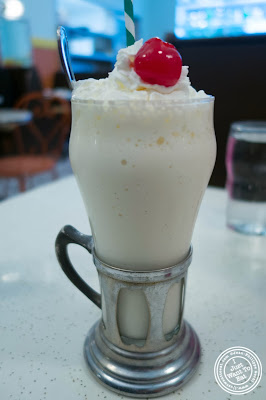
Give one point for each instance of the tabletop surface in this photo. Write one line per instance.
(44, 318)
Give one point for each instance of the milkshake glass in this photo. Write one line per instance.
(142, 151)
(142, 169)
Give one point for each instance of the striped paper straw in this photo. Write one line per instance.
(129, 21)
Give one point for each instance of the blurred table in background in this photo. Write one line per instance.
(61, 92)
(39, 144)
(10, 118)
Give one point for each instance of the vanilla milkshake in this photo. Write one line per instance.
(142, 155)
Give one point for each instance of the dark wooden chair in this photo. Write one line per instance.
(39, 143)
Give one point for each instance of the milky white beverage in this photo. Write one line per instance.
(142, 156)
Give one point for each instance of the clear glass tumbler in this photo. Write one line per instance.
(246, 177)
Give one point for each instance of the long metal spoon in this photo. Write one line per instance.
(64, 56)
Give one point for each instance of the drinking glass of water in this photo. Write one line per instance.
(246, 177)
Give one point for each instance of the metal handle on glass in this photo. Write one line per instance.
(66, 236)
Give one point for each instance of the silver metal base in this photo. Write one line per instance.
(151, 374)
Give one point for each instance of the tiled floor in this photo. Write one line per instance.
(63, 169)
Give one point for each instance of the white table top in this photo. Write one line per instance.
(63, 93)
(13, 116)
(44, 318)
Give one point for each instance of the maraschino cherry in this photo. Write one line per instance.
(158, 62)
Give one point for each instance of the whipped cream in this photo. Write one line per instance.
(124, 84)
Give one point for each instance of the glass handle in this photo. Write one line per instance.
(66, 236)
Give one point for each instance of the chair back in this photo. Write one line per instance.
(50, 125)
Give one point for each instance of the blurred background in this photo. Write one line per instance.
(222, 41)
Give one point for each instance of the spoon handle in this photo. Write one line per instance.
(64, 56)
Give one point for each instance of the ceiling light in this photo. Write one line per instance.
(13, 9)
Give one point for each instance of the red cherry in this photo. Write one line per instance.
(158, 62)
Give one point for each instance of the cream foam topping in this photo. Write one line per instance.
(124, 84)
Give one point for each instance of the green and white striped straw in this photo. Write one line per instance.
(129, 21)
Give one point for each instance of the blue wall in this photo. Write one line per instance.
(42, 18)
(157, 17)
